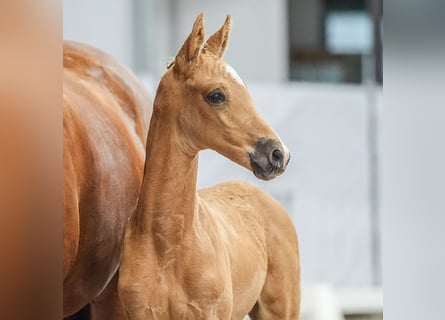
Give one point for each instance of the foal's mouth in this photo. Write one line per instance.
(270, 172)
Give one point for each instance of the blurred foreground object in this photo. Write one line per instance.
(30, 160)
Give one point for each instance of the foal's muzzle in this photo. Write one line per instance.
(269, 159)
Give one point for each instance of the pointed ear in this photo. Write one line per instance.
(192, 46)
(217, 43)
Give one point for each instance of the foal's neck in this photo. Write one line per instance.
(168, 196)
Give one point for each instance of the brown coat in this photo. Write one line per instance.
(105, 120)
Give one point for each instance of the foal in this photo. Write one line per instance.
(226, 251)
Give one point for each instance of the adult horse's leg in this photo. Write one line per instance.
(83, 314)
(108, 306)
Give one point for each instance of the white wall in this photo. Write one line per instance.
(413, 193)
(258, 46)
(104, 24)
(153, 32)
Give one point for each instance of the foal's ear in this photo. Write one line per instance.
(217, 43)
(192, 46)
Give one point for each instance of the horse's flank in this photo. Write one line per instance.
(105, 121)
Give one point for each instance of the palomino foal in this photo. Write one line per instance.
(223, 252)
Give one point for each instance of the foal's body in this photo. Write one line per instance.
(225, 251)
(206, 255)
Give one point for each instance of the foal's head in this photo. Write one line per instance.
(210, 106)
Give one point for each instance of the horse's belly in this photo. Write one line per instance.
(105, 118)
(109, 173)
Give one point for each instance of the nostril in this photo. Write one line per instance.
(277, 156)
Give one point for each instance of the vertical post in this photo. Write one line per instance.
(374, 182)
(375, 10)
(374, 7)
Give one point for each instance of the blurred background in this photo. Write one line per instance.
(314, 69)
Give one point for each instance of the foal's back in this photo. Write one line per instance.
(257, 228)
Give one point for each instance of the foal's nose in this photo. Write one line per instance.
(269, 158)
(276, 157)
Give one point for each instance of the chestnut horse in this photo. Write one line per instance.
(226, 251)
(105, 122)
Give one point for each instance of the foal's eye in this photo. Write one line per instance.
(216, 97)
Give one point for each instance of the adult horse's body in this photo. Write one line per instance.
(105, 121)
(225, 251)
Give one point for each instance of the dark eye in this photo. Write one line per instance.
(216, 97)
